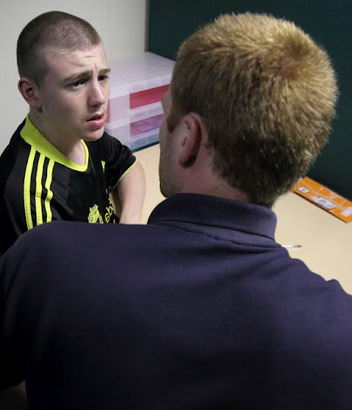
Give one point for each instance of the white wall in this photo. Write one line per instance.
(121, 24)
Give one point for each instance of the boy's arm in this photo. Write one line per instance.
(128, 195)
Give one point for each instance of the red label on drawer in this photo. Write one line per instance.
(149, 96)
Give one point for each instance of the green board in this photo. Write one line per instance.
(327, 21)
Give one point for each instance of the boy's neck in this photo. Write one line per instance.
(71, 148)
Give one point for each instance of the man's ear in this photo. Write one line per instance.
(191, 140)
(30, 92)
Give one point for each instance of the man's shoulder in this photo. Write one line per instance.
(310, 310)
(63, 235)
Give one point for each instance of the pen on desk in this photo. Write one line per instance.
(292, 246)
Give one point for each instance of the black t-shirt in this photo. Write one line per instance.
(38, 184)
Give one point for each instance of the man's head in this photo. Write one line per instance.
(64, 78)
(265, 93)
(54, 29)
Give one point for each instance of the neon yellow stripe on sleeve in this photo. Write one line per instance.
(49, 196)
(39, 190)
(27, 189)
(126, 172)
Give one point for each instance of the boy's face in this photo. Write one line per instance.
(74, 94)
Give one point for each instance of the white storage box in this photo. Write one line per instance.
(137, 86)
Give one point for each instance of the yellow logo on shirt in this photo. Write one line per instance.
(109, 212)
(94, 215)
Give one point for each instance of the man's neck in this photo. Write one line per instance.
(207, 183)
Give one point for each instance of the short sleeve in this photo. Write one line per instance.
(117, 158)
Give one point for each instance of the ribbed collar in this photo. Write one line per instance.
(214, 211)
(33, 137)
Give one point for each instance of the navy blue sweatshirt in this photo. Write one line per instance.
(198, 309)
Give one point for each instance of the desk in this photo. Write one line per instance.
(326, 241)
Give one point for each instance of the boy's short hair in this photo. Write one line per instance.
(52, 29)
(266, 92)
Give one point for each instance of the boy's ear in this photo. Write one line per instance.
(191, 140)
(30, 92)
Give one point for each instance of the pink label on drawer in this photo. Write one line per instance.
(145, 125)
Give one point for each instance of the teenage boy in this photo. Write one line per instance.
(60, 164)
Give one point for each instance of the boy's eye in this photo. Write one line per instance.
(103, 77)
(78, 83)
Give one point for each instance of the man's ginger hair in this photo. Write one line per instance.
(266, 92)
(54, 29)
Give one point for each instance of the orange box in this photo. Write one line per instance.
(324, 198)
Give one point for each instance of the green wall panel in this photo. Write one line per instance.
(328, 22)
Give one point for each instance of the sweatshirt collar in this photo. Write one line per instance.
(218, 212)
